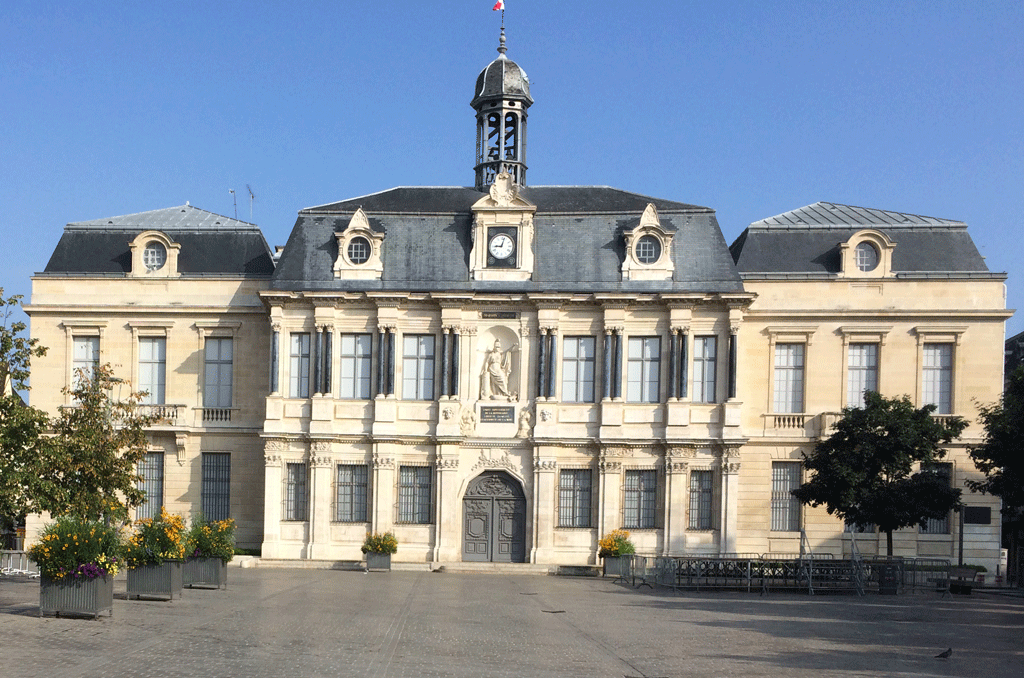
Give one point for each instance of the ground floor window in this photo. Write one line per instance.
(351, 492)
(701, 492)
(216, 488)
(640, 500)
(151, 481)
(785, 507)
(574, 497)
(414, 491)
(295, 492)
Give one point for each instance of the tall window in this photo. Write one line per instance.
(939, 525)
(216, 489)
(151, 481)
(640, 499)
(643, 369)
(355, 366)
(789, 378)
(414, 487)
(785, 507)
(152, 368)
(218, 372)
(295, 492)
(351, 493)
(418, 367)
(574, 495)
(299, 365)
(701, 493)
(861, 373)
(86, 356)
(578, 356)
(705, 362)
(938, 377)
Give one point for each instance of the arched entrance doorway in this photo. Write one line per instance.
(494, 519)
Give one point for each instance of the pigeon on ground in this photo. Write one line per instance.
(945, 655)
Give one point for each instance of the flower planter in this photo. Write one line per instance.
(204, 573)
(155, 581)
(378, 561)
(614, 566)
(76, 596)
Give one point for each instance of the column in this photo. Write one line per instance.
(729, 508)
(552, 361)
(275, 361)
(328, 387)
(610, 490)
(676, 499)
(447, 516)
(320, 500)
(383, 516)
(545, 488)
(316, 346)
(684, 363)
(617, 363)
(272, 497)
(673, 364)
(455, 362)
(608, 367)
(446, 335)
(542, 365)
(732, 364)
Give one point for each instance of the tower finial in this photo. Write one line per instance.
(501, 42)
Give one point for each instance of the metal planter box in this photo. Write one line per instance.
(155, 581)
(615, 566)
(205, 573)
(378, 561)
(76, 596)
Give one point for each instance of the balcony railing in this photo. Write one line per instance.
(164, 415)
(215, 415)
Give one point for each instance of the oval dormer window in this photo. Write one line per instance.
(866, 257)
(154, 256)
(648, 249)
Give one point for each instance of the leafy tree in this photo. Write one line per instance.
(95, 448)
(1001, 456)
(865, 472)
(21, 427)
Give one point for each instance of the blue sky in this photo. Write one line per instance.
(751, 108)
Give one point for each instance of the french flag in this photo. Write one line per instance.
(500, 4)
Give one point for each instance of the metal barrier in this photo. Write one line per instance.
(17, 562)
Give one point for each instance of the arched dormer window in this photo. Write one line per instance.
(154, 255)
(867, 254)
(648, 249)
(359, 250)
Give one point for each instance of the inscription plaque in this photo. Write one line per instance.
(499, 315)
(497, 415)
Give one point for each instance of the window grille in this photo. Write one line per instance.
(574, 497)
(151, 471)
(701, 495)
(295, 492)
(640, 498)
(785, 507)
(414, 494)
(351, 490)
(216, 488)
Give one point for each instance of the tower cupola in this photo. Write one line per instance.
(501, 99)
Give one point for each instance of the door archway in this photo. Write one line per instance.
(494, 519)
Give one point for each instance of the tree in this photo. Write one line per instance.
(865, 472)
(95, 447)
(1001, 456)
(21, 427)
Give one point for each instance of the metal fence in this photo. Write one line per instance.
(17, 562)
(813, 573)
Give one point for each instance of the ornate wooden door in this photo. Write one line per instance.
(494, 520)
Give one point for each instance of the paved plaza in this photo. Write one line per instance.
(295, 622)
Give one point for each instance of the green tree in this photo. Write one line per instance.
(95, 447)
(1001, 455)
(21, 427)
(879, 466)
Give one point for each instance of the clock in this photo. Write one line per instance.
(501, 246)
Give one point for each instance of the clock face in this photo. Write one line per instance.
(501, 246)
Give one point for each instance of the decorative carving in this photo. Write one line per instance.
(503, 190)
(487, 461)
(467, 422)
(731, 468)
(729, 451)
(180, 440)
(320, 446)
(447, 463)
(448, 412)
(467, 330)
(608, 466)
(675, 466)
(275, 444)
(477, 505)
(382, 462)
(544, 465)
(491, 486)
(495, 382)
(272, 459)
(320, 461)
(617, 451)
(525, 422)
(680, 451)
(546, 414)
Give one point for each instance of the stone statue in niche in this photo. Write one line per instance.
(525, 421)
(495, 373)
(467, 423)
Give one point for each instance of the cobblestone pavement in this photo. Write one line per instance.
(294, 623)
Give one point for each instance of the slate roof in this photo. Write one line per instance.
(210, 243)
(578, 244)
(807, 240)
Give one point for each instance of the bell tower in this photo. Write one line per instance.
(501, 99)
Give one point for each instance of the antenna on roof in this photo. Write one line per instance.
(234, 198)
(252, 198)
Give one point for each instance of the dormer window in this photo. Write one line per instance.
(867, 254)
(648, 249)
(154, 256)
(359, 250)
